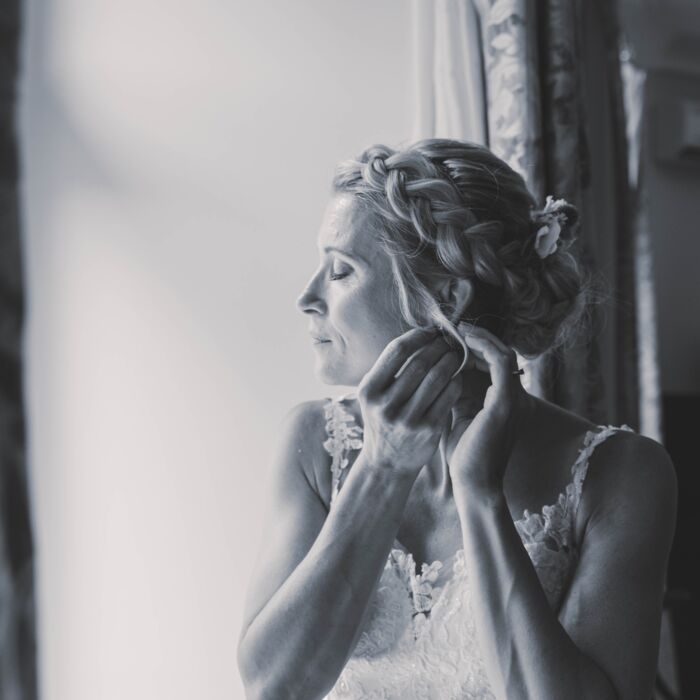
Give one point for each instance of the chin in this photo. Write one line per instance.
(334, 378)
(334, 375)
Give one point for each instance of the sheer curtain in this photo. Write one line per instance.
(542, 84)
(468, 91)
(448, 71)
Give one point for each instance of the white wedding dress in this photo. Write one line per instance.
(419, 640)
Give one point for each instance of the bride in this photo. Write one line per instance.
(441, 533)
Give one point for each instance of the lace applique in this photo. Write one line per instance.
(419, 586)
(344, 434)
(548, 536)
(419, 640)
(580, 467)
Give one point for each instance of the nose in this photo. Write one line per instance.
(309, 300)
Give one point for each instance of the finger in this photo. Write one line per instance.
(473, 329)
(473, 361)
(499, 361)
(475, 357)
(437, 411)
(410, 376)
(433, 383)
(394, 355)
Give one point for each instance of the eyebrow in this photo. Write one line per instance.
(350, 254)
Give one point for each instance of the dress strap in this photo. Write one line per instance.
(343, 435)
(580, 467)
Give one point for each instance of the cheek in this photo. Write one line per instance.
(363, 304)
(350, 303)
(371, 319)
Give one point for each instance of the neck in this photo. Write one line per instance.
(435, 475)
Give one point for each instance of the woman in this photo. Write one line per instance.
(435, 268)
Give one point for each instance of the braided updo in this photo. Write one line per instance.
(446, 209)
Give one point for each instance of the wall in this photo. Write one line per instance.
(674, 219)
(665, 37)
(177, 160)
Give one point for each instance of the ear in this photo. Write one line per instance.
(455, 295)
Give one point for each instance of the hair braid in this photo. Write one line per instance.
(453, 209)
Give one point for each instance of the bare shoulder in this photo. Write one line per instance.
(294, 513)
(305, 421)
(623, 463)
(613, 606)
(631, 479)
(305, 424)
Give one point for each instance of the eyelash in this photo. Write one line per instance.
(337, 276)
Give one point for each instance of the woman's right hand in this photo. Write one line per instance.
(404, 416)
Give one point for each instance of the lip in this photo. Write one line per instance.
(317, 338)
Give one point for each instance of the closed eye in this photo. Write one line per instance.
(337, 275)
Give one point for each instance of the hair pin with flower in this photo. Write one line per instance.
(554, 216)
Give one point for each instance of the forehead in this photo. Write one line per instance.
(348, 225)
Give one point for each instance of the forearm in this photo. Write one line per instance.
(528, 652)
(300, 641)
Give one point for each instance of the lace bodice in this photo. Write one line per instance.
(419, 640)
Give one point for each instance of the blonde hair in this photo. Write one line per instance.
(448, 209)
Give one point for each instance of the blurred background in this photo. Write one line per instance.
(164, 171)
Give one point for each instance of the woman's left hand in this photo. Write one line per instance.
(478, 447)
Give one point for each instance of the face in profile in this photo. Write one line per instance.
(350, 303)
